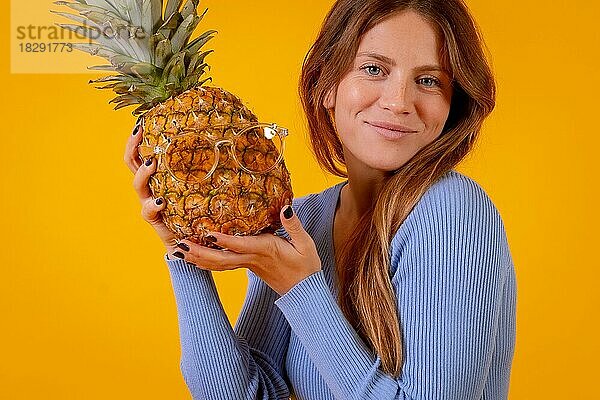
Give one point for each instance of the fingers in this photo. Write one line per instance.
(151, 210)
(206, 258)
(131, 156)
(152, 213)
(140, 180)
(300, 239)
(240, 244)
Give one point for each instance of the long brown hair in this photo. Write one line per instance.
(366, 295)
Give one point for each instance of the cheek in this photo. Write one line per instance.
(434, 114)
(353, 96)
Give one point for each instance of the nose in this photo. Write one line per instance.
(397, 97)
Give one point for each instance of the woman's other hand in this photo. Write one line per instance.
(279, 262)
(151, 207)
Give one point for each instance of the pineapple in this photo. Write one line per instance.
(161, 71)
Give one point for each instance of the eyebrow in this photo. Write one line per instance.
(387, 60)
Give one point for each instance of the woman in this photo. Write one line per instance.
(395, 94)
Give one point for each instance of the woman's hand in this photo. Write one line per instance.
(279, 262)
(151, 207)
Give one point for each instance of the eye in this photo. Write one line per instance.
(430, 81)
(372, 69)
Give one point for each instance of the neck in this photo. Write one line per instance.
(358, 195)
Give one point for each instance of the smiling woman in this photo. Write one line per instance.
(393, 90)
(397, 283)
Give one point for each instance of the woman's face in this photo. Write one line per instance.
(394, 100)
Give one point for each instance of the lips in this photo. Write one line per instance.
(393, 133)
(391, 126)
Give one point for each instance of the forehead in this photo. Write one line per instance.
(403, 36)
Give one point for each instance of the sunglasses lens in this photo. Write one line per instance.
(258, 149)
(190, 157)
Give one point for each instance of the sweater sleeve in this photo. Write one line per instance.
(216, 361)
(262, 324)
(449, 268)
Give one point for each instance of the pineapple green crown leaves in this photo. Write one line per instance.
(147, 43)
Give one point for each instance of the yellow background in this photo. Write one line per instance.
(86, 305)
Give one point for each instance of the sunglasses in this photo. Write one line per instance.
(193, 154)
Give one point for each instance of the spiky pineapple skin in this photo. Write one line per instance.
(231, 201)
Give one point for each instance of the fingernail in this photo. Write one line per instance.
(183, 246)
(288, 212)
(210, 239)
(135, 129)
(178, 254)
(148, 162)
(158, 201)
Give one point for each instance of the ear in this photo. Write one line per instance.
(329, 101)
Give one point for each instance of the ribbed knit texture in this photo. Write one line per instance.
(455, 285)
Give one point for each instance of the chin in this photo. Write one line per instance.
(373, 160)
(389, 165)
(388, 169)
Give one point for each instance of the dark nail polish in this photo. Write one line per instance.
(288, 212)
(210, 239)
(148, 162)
(135, 129)
(158, 202)
(183, 246)
(178, 254)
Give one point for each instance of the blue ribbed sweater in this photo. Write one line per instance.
(454, 280)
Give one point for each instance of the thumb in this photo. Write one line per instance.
(151, 210)
(293, 226)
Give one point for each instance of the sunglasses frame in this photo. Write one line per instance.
(162, 148)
